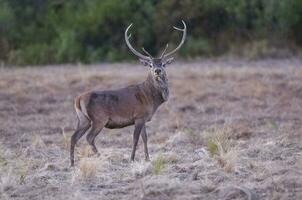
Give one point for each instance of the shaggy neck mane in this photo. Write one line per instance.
(158, 89)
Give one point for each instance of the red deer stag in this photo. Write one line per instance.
(132, 105)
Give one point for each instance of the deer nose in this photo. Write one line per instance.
(157, 71)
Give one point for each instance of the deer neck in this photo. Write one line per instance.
(158, 89)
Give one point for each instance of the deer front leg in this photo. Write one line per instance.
(145, 140)
(139, 124)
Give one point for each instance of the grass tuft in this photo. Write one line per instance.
(220, 147)
(37, 141)
(87, 168)
(66, 140)
(158, 164)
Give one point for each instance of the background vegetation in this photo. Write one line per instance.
(57, 31)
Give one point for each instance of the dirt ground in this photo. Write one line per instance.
(230, 130)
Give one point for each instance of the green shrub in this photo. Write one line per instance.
(39, 32)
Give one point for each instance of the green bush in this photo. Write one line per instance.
(45, 31)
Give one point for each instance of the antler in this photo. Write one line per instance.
(132, 49)
(184, 30)
(164, 51)
(146, 52)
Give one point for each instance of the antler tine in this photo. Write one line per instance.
(179, 29)
(146, 52)
(130, 46)
(164, 51)
(184, 30)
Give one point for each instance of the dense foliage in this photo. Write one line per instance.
(59, 31)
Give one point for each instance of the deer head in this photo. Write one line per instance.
(157, 65)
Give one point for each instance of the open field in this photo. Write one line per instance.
(230, 130)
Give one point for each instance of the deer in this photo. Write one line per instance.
(132, 105)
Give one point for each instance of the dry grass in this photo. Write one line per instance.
(88, 167)
(140, 169)
(65, 139)
(231, 129)
(158, 164)
(7, 181)
(37, 142)
(221, 147)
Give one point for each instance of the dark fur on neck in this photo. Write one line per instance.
(158, 87)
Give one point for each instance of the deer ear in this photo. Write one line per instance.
(169, 61)
(144, 62)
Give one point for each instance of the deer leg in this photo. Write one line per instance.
(145, 139)
(137, 130)
(93, 132)
(75, 138)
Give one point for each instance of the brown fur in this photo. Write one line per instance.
(132, 105)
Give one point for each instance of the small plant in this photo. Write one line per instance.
(87, 168)
(23, 172)
(66, 140)
(220, 147)
(37, 141)
(3, 161)
(212, 147)
(158, 164)
(218, 140)
(218, 144)
(85, 152)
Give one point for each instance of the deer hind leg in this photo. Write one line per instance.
(83, 125)
(96, 128)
